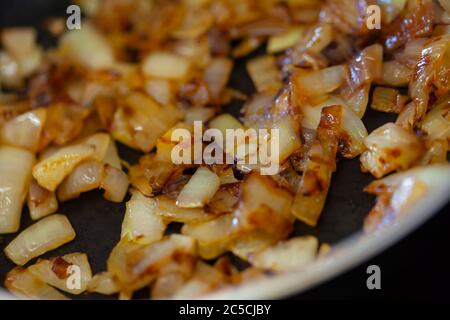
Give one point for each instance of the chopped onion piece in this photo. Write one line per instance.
(398, 193)
(437, 122)
(285, 41)
(395, 74)
(264, 73)
(15, 172)
(115, 183)
(141, 223)
(320, 165)
(199, 190)
(56, 272)
(45, 235)
(263, 207)
(134, 266)
(85, 177)
(50, 172)
(22, 283)
(160, 90)
(216, 75)
(41, 202)
(103, 283)
(212, 236)
(25, 130)
(165, 65)
(87, 47)
(387, 100)
(316, 83)
(170, 212)
(289, 255)
(390, 148)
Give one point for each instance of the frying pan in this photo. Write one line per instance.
(98, 222)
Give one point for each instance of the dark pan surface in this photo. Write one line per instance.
(98, 222)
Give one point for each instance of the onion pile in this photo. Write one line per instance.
(139, 69)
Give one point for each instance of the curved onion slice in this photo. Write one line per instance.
(85, 177)
(390, 148)
(103, 283)
(22, 283)
(398, 193)
(431, 69)
(288, 255)
(57, 271)
(41, 202)
(15, 175)
(141, 223)
(199, 190)
(50, 172)
(25, 130)
(45, 235)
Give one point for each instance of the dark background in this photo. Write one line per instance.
(416, 267)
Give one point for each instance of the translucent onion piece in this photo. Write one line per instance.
(263, 207)
(395, 74)
(264, 73)
(56, 272)
(50, 172)
(135, 266)
(437, 122)
(25, 130)
(216, 75)
(22, 283)
(165, 66)
(41, 202)
(353, 130)
(212, 236)
(85, 177)
(160, 90)
(170, 212)
(87, 47)
(387, 100)
(115, 183)
(367, 66)
(141, 223)
(284, 41)
(45, 235)
(432, 68)
(289, 255)
(199, 190)
(19, 42)
(390, 148)
(15, 173)
(316, 83)
(398, 193)
(103, 283)
(320, 165)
